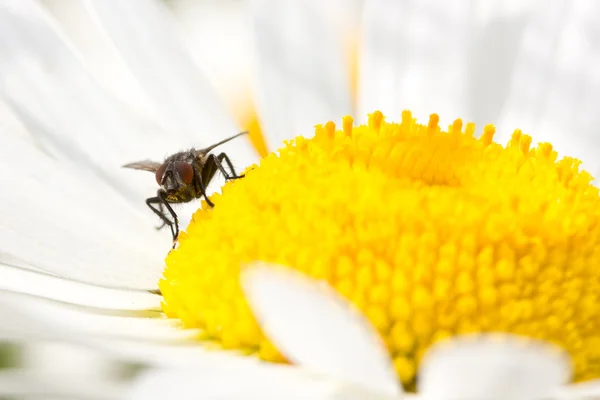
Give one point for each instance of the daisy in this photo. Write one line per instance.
(69, 137)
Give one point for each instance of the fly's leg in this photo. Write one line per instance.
(161, 200)
(163, 196)
(224, 157)
(158, 211)
(162, 211)
(211, 165)
(217, 161)
(200, 183)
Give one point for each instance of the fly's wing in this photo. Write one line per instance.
(209, 148)
(144, 165)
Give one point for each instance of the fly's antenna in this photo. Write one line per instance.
(209, 148)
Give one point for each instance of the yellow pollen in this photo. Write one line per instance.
(433, 124)
(375, 120)
(456, 127)
(347, 122)
(430, 233)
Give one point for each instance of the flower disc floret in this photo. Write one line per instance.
(430, 232)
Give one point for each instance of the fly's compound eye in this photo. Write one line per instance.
(159, 173)
(185, 171)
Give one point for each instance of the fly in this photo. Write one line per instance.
(183, 177)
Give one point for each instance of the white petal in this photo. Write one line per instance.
(43, 80)
(555, 90)
(17, 326)
(301, 69)
(69, 223)
(141, 338)
(315, 328)
(176, 354)
(262, 381)
(25, 281)
(27, 384)
(98, 55)
(144, 35)
(74, 222)
(54, 357)
(26, 317)
(493, 367)
(579, 391)
(10, 123)
(414, 56)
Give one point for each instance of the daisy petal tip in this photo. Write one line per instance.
(580, 391)
(256, 270)
(313, 326)
(493, 366)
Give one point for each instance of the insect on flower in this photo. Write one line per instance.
(183, 177)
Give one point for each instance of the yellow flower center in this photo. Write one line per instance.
(430, 233)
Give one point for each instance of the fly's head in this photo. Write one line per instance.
(175, 176)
